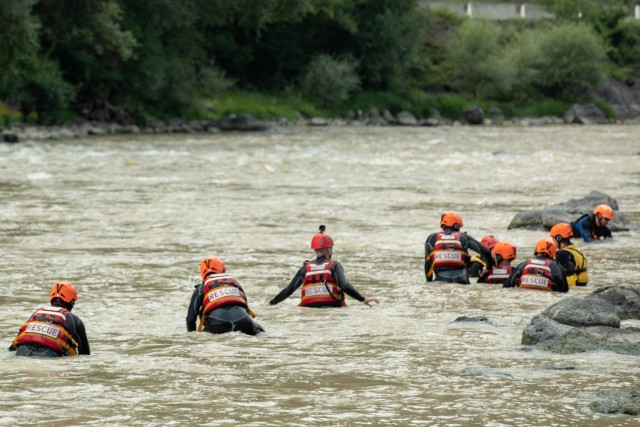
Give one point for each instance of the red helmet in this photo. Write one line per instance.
(561, 231)
(321, 240)
(546, 246)
(489, 242)
(451, 219)
(605, 211)
(211, 265)
(504, 251)
(65, 291)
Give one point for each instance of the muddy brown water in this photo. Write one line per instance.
(128, 219)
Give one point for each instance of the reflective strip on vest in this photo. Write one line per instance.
(448, 252)
(499, 275)
(221, 290)
(537, 275)
(46, 328)
(319, 286)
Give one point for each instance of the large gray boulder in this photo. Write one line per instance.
(584, 114)
(574, 325)
(242, 123)
(623, 98)
(625, 299)
(568, 211)
(619, 401)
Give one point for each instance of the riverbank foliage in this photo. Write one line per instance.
(128, 60)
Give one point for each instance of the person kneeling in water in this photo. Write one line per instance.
(220, 302)
(503, 253)
(322, 279)
(540, 272)
(569, 256)
(477, 266)
(52, 330)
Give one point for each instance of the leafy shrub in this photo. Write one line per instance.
(564, 62)
(475, 58)
(48, 93)
(329, 81)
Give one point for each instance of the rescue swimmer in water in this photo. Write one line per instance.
(569, 256)
(322, 279)
(52, 330)
(502, 254)
(540, 272)
(594, 226)
(447, 252)
(220, 302)
(476, 264)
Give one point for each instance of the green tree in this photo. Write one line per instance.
(475, 59)
(329, 81)
(567, 60)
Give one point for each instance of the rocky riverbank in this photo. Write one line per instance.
(247, 123)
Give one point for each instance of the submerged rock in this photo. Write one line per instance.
(625, 401)
(575, 325)
(568, 211)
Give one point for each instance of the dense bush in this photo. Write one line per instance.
(475, 58)
(329, 81)
(567, 60)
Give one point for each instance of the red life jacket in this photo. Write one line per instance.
(537, 275)
(319, 287)
(46, 327)
(448, 252)
(221, 290)
(498, 275)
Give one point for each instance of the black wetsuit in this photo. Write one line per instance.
(453, 275)
(586, 227)
(337, 272)
(74, 325)
(220, 320)
(557, 274)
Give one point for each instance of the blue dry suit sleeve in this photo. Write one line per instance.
(585, 234)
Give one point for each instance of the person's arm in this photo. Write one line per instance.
(476, 266)
(584, 229)
(559, 279)
(194, 307)
(480, 249)
(565, 260)
(338, 274)
(428, 262)
(83, 341)
(606, 233)
(291, 288)
(512, 280)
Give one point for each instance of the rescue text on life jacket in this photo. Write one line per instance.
(448, 252)
(46, 328)
(537, 275)
(319, 287)
(222, 290)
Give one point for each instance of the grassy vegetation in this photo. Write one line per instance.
(263, 106)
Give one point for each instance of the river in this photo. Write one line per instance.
(129, 218)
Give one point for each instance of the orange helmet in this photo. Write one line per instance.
(547, 246)
(211, 265)
(451, 219)
(605, 211)
(489, 242)
(321, 240)
(561, 231)
(65, 291)
(504, 251)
